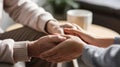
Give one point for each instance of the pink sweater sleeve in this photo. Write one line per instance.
(28, 13)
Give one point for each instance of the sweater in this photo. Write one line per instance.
(27, 13)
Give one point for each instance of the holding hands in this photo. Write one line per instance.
(67, 50)
(89, 38)
(60, 48)
(35, 48)
(56, 48)
(53, 27)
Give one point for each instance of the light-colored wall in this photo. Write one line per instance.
(7, 21)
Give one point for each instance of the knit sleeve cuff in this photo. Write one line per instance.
(21, 51)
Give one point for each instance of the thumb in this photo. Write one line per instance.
(56, 38)
(73, 32)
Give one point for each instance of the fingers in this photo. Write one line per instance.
(78, 27)
(48, 53)
(68, 25)
(53, 27)
(72, 26)
(74, 32)
(71, 31)
(67, 36)
(55, 38)
(52, 58)
(58, 57)
(68, 30)
(59, 30)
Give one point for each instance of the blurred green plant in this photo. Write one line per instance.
(59, 6)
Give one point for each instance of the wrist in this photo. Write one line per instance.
(88, 37)
(30, 49)
(104, 42)
(49, 25)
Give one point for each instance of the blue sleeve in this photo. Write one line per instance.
(117, 40)
(101, 57)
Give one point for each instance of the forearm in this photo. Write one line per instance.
(104, 42)
(96, 40)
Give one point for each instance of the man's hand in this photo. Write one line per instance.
(65, 51)
(35, 48)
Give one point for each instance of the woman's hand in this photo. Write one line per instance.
(90, 38)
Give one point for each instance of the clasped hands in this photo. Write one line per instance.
(57, 47)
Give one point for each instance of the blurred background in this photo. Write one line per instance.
(49, 5)
(7, 21)
(105, 12)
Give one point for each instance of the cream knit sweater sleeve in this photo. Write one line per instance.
(12, 52)
(6, 50)
(28, 13)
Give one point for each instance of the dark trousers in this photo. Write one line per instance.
(23, 34)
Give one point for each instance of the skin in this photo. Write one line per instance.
(53, 27)
(35, 48)
(66, 47)
(90, 39)
(65, 51)
(56, 48)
